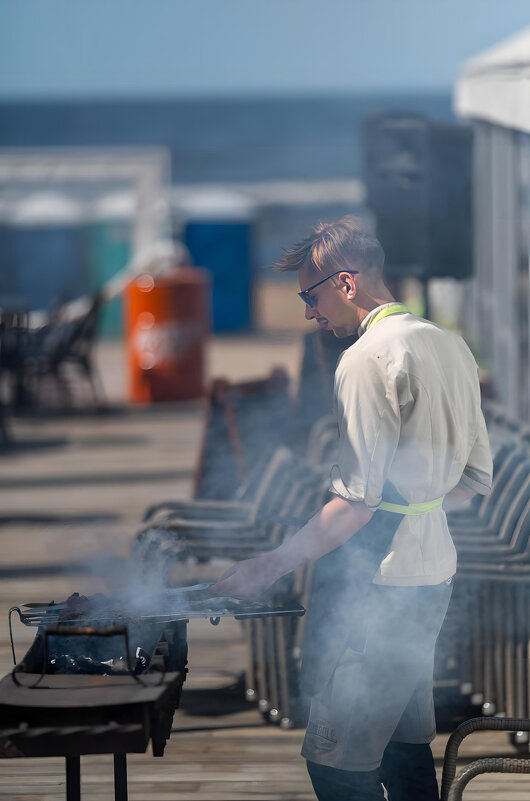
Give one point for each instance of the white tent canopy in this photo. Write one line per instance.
(495, 86)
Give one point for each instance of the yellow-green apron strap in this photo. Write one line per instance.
(397, 309)
(411, 508)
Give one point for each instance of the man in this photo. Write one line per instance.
(411, 433)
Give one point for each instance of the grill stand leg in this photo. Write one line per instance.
(120, 777)
(73, 778)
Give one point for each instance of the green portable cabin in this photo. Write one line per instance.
(110, 247)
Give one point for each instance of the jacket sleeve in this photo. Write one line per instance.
(478, 471)
(368, 416)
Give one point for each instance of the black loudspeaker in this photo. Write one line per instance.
(418, 180)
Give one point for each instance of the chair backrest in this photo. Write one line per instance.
(500, 423)
(313, 496)
(513, 530)
(506, 567)
(504, 463)
(243, 422)
(507, 515)
(63, 338)
(248, 490)
(315, 386)
(323, 441)
(505, 497)
(276, 483)
(300, 499)
(522, 533)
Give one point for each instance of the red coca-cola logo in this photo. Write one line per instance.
(160, 343)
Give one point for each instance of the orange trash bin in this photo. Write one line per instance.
(167, 322)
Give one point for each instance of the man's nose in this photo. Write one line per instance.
(310, 312)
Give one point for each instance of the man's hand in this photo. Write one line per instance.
(247, 579)
(336, 522)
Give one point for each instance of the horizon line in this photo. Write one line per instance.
(290, 94)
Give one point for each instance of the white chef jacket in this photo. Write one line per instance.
(407, 400)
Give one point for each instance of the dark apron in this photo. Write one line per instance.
(341, 586)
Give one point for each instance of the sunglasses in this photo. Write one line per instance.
(309, 299)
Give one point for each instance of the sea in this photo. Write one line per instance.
(229, 140)
(216, 140)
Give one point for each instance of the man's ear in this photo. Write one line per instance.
(347, 278)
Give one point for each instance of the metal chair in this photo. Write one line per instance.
(452, 788)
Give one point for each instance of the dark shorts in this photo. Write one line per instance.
(381, 687)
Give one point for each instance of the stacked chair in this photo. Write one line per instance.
(490, 609)
(486, 635)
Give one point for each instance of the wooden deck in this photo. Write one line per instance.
(71, 495)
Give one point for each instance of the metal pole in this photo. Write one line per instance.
(120, 777)
(426, 304)
(73, 778)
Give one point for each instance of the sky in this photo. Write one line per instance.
(142, 48)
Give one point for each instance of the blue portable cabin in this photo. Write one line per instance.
(218, 231)
(49, 249)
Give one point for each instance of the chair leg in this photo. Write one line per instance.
(73, 778)
(120, 777)
(96, 384)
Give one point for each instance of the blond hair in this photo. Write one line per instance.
(331, 246)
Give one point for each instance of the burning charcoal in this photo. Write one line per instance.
(143, 660)
(66, 663)
(61, 664)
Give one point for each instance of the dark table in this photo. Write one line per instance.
(71, 715)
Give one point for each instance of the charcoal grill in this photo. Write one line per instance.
(46, 714)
